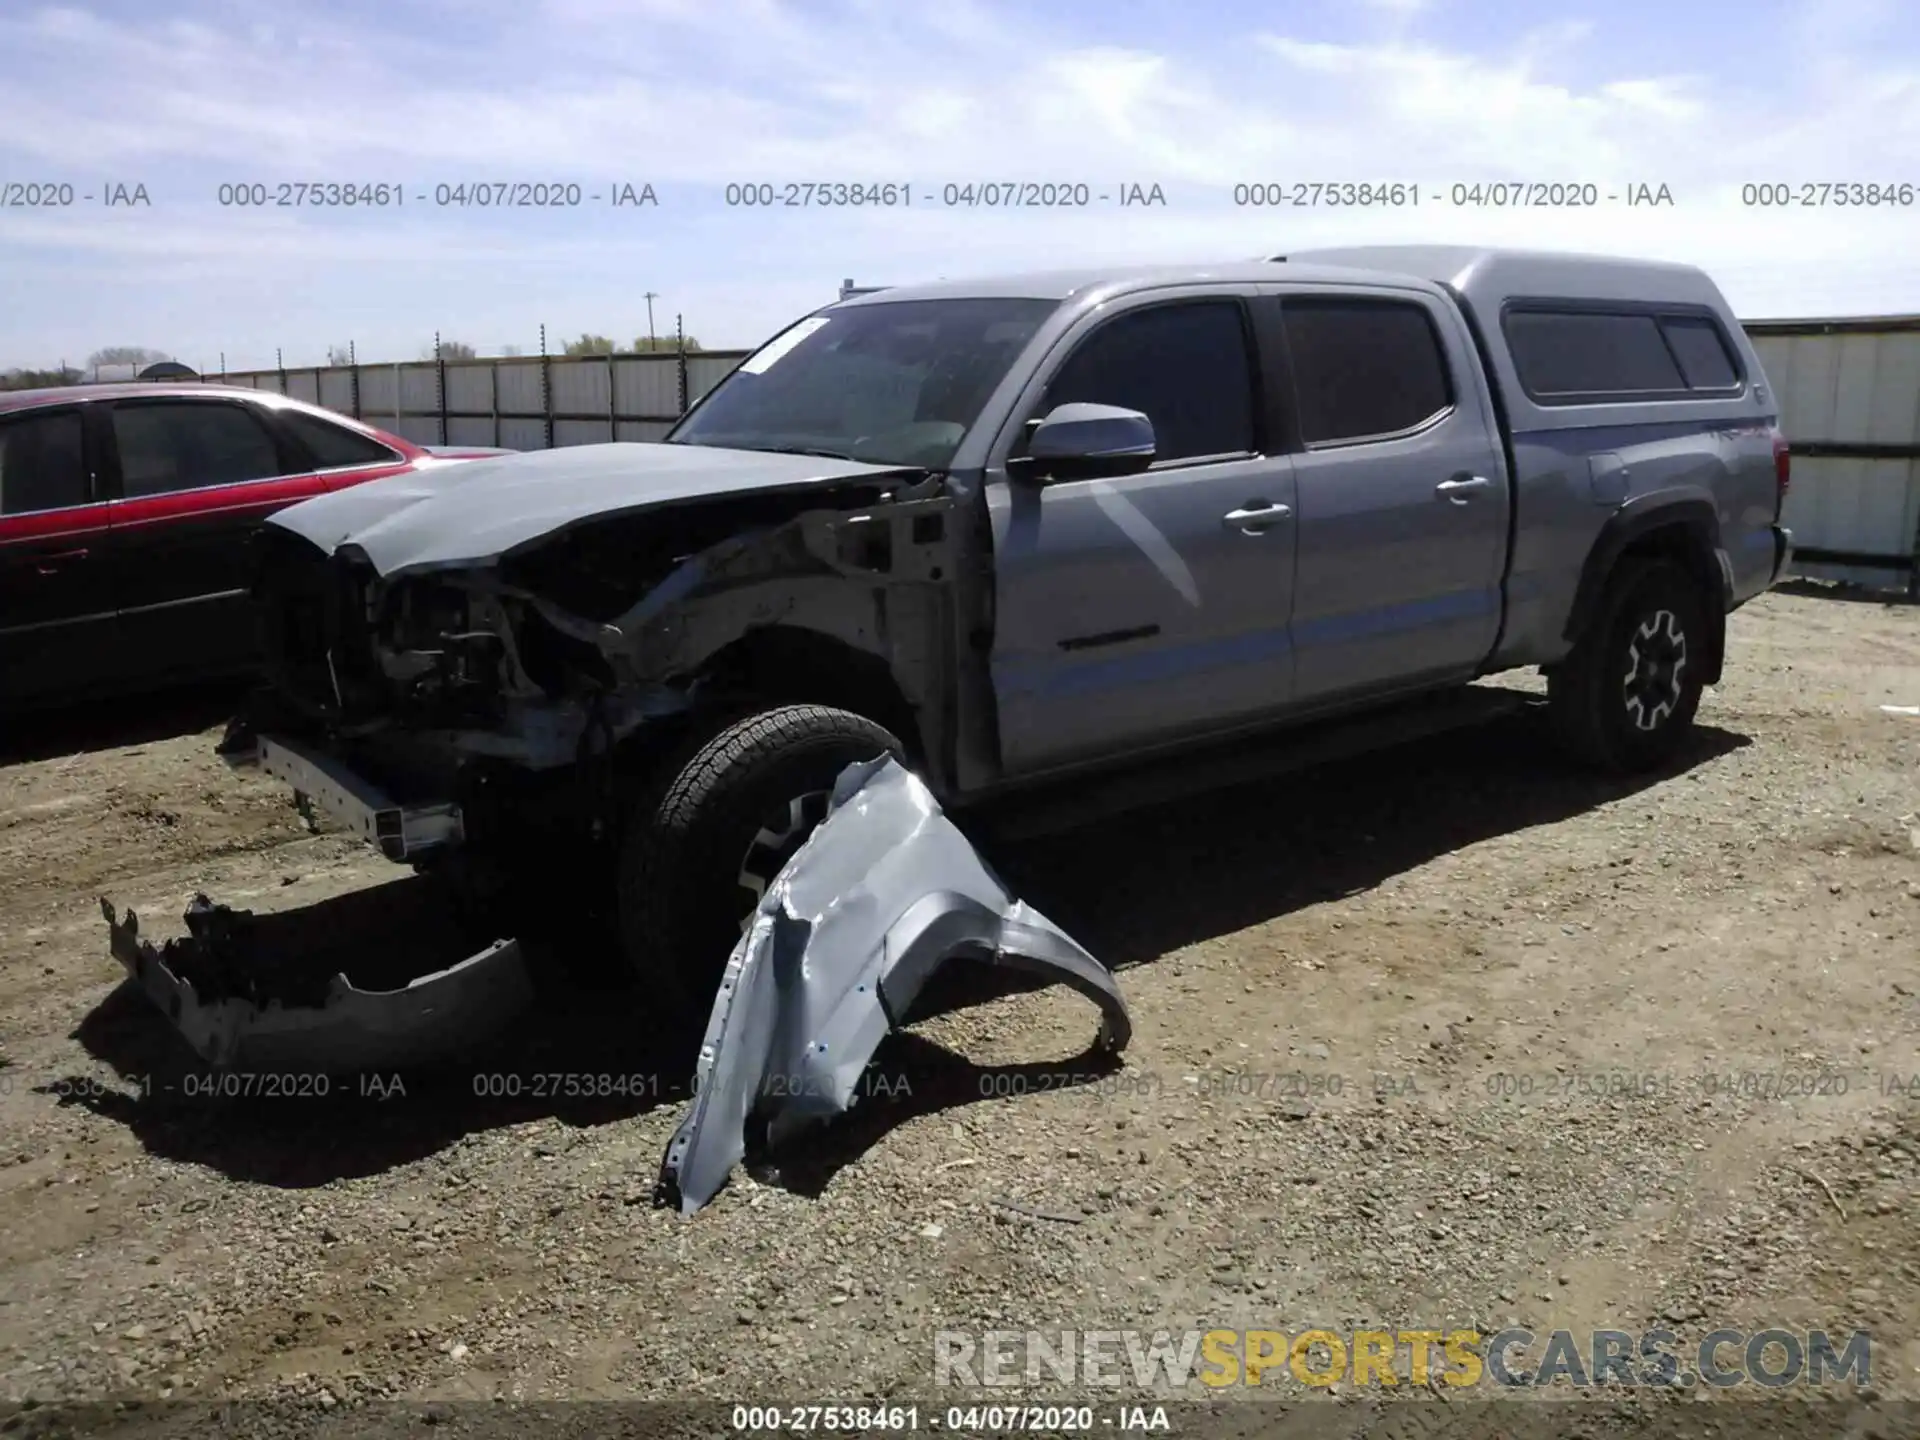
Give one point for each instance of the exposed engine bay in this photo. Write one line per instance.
(589, 633)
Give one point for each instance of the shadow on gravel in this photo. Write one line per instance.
(1128, 889)
(1211, 865)
(912, 1077)
(1216, 864)
(112, 724)
(1849, 592)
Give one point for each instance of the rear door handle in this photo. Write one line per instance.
(1462, 488)
(48, 564)
(1255, 516)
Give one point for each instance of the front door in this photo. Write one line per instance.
(1145, 609)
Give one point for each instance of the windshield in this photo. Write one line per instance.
(895, 383)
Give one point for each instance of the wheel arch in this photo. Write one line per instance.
(797, 665)
(1684, 531)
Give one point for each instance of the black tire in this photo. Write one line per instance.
(1625, 699)
(693, 849)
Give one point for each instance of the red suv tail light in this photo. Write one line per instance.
(1782, 462)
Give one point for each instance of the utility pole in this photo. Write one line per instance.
(652, 343)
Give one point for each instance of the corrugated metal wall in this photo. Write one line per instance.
(1849, 397)
(513, 401)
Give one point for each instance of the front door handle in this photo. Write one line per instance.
(1256, 516)
(1462, 488)
(48, 564)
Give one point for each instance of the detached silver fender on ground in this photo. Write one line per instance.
(883, 893)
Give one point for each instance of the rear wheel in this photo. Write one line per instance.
(1625, 699)
(699, 853)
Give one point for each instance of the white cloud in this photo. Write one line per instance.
(1669, 99)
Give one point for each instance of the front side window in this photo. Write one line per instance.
(186, 445)
(890, 383)
(1184, 366)
(1364, 369)
(42, 463)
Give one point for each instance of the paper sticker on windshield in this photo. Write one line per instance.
(772, 351)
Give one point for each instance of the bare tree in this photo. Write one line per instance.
(125, 355)
(589, 345)
(449, 350)
(339, 355)
(663, 343)
(37, 379)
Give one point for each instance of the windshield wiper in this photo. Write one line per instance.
(807, 450)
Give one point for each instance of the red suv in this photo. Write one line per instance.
(124, 516)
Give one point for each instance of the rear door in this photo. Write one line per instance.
(1145, 609)
(57, 626)
(1403, 498)
(193, 476)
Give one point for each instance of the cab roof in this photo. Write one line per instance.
(1485, 275)
(1085, 283)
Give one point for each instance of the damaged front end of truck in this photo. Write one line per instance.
(476, 673)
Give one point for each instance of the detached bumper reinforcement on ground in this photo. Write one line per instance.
(402, 832)
(233, 1026)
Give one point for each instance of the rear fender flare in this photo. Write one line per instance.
(1685, 526)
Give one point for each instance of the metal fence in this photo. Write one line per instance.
(534, 402)
(1849, 397)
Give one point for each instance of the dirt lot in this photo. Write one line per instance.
(1443, 1038)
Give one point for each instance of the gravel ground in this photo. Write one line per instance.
(1446, 1037)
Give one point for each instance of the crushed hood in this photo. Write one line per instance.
(475, 512)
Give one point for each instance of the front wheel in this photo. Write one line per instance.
(697, 857)
(1625, 699)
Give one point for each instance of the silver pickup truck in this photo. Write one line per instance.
(1017, 532)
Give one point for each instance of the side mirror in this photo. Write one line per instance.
(1083, 441)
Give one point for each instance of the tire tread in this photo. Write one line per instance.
(666, 870)
(1576, 688)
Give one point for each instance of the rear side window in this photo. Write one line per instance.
(1702, 352)
(335, 446)
(42, 463)
(1364, 368)
(188, 444)
(1569, 357)
(1184, 366)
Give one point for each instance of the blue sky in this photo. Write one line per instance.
(689, 95)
